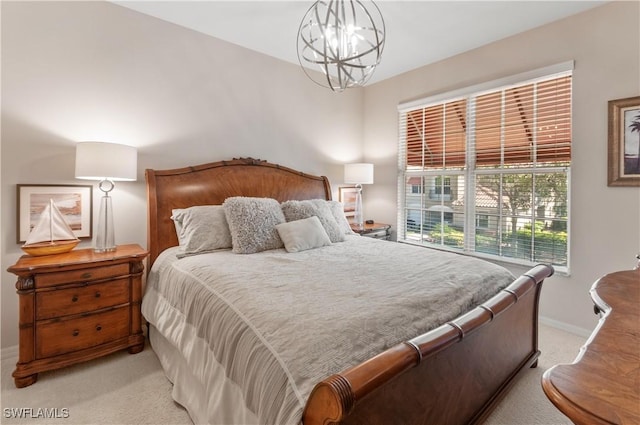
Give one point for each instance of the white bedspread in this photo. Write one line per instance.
(276, 323)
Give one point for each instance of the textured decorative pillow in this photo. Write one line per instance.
(201, 229)
(301, 235)
(297, 210)
(337, 209)
(252, 223)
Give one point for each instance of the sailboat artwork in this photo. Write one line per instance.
(51, 235)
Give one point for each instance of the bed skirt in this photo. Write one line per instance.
(210, 399)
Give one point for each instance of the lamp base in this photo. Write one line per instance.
(358, 216)
(105, 239)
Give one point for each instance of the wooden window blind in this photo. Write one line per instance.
(504, 151)
(436, 135)
(524, 125)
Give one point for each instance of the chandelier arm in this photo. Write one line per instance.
(346, 72)
(375, 29)
(323, 31)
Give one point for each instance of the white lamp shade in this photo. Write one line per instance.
(101, 160)
(358, 173)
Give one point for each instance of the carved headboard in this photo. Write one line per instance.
(211, 184)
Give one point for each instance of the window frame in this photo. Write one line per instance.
(470, 171)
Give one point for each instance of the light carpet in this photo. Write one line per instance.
(131, 389)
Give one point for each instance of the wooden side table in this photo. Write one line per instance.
(375, 230)
(76, 307)
(602, 386)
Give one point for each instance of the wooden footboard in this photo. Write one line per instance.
(454, 374)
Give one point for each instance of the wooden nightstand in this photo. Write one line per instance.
(375, 230)
(76, 307)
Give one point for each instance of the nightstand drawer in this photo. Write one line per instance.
(83, 275)
(378, 234)
(62, 336)
(70, 301)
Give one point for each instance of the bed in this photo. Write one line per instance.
(313, 337)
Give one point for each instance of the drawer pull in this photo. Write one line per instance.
(74, 299)
(98, 328)
(75, 332)
(98, 294)
(86, 275)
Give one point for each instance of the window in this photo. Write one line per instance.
(482, 221)
(493, 163)
(443, 186)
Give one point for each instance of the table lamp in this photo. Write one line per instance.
(358, 174)
(107, 162)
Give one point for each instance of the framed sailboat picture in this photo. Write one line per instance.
(74, 202)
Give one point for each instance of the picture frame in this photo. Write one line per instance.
(75, 202)
(624, 142)
(347, 196)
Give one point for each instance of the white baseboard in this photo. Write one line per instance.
(8, 352)
(565, 326)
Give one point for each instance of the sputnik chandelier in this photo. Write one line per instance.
(344, 40)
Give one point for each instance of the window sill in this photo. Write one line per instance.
(502, 261)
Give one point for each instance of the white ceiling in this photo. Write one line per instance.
(418, 32)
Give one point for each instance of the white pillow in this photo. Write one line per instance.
(201, 229)
(337, 209)
(301, 235)
(297, 210)
(252, 223)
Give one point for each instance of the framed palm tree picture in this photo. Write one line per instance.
(624, 142)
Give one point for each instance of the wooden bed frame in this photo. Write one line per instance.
(454, 374)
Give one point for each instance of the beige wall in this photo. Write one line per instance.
(605, 222)
(76, 71)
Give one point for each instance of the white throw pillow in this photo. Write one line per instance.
(301, 235)
(337, 209)
(252, 223)
(201, 229)
(297, 210)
